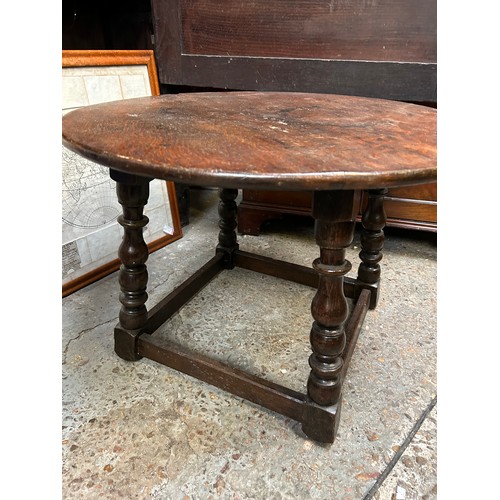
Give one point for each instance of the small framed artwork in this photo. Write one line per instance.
(90, 231)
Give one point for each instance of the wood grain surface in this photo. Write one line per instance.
(374, 30)
(266, 140)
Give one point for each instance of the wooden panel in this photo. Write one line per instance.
(372, 48)
(427, 192)
(413, 207)
(388, 80)
(373, 30)
(411, 210)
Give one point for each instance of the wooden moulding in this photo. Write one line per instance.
(319, 423)
(83, 58)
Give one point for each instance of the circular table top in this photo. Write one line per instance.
(264, 140)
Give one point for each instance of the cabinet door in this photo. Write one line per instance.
(374, 48)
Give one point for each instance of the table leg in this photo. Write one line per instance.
(372, 240)
(334, 215)
(228, 240)
(319, 409)
(133, 193)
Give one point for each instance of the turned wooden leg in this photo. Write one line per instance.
(372, 239)
(334, 231)
(133, 192)
(228, 241)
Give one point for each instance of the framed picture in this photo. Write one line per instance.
(90, 232)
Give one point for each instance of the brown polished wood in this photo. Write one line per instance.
(334, 215)
(372, 237)
(132, 193)
(384, 48)
(386, 30)
(227, 224)
(410, 207)
(334, 145)
(267, 140)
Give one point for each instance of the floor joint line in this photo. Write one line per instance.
(395, 459)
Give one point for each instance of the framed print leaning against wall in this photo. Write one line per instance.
(90, 232)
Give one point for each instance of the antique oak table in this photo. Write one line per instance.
(332, 145)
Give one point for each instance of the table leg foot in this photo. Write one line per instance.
(126, 343)
(320, 423)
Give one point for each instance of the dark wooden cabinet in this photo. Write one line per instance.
(409, 208)
(375, 48)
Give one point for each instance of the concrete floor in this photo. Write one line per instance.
(142, 431)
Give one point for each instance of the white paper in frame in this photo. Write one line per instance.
(90, 233)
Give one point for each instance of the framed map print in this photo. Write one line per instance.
(90, 232)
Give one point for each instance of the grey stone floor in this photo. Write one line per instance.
(142, 431)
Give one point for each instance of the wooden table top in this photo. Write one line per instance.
(264, 140)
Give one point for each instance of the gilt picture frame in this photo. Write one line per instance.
(90, 232)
